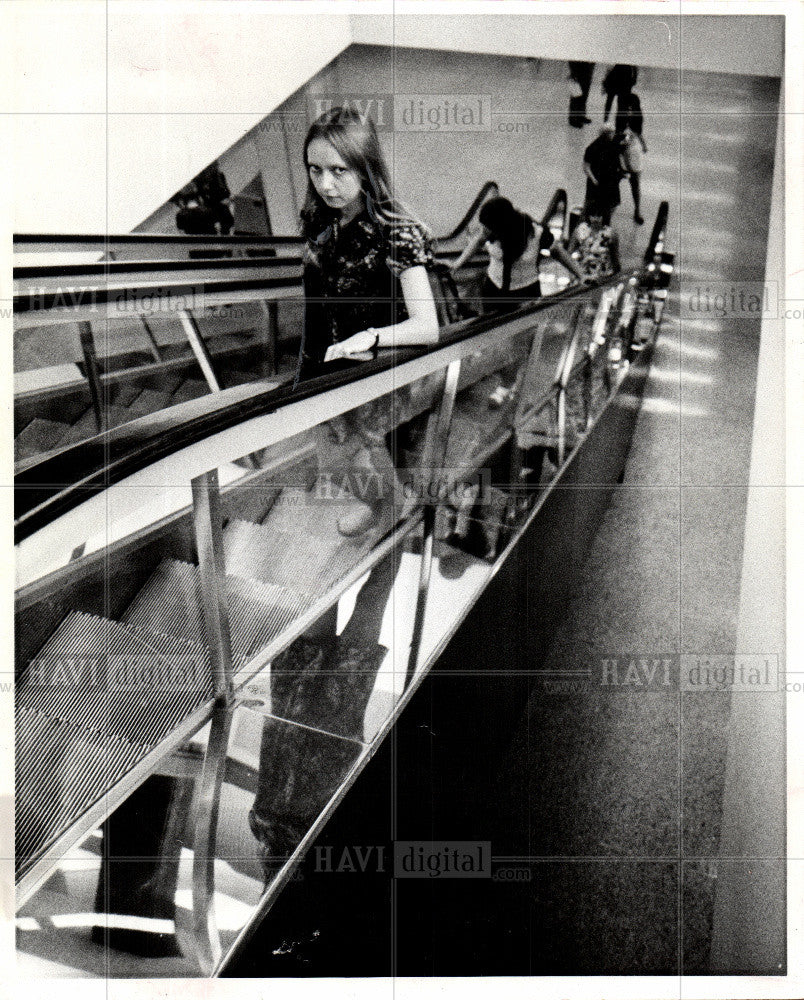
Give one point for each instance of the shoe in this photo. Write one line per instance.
(498, 397)
(358, 521)
(638, 219)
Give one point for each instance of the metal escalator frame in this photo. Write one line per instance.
(263, 416)
(36, 875)
(65, 243)
(90, 242)
(283, 876)
(92, 373)
(202, 925)
(101, 270)
(440, 423)
(105, 301)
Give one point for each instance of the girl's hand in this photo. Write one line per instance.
(361, 343)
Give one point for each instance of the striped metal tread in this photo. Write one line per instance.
(170, 602)
(148, 401)
(39, 436)
(299, 511)
(189, 389)
(114, 679)
(305, 563)
(96, 700)
(61, 771)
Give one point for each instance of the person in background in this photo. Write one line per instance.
(618, 82)
(632, 146)
(596, 247)
(580, 75)
(603, 167)
(514, 243)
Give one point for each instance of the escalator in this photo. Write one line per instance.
(144, 324)
(193, 629)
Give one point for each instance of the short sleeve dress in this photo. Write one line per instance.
(351, 283)
(351, 280)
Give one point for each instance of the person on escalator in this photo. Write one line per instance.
(596, 247)
(366, 286)
(633, 146)
(514, 243)
(604, 169)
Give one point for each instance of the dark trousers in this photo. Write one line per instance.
(633, 179)
(622, 97)
(581, 73)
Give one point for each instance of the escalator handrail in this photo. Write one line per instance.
(86, 242)
(657, 233)
(480, 197)
(559, 196)
(60, 482)
(114, 267)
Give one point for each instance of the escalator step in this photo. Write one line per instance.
(171, 602)
(124, 394)
(189, 389)
(39, 436)
(299, 511)
(148, 401)
(61, 770)
(115, 679)
(98, 697)
(300, 561)
(86, 427)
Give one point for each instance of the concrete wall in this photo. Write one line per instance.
(181, 83)
(125, 102)
(719, 43)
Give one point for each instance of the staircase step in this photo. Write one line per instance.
(116, 679)
(170, 602)
(299, 511)
(61, 770)
(124, 394)
(302, 562)
(190, 388)
(86, 427)
(148, 401)
(39, 436)
(98, 697)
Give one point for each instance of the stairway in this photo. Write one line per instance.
(40, 436)
(103, 694)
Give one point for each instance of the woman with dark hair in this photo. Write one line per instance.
(514, 243)
(366, 286)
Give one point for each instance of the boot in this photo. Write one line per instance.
(379, 492)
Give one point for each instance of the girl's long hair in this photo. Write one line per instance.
(510, 228)
(355, 138)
